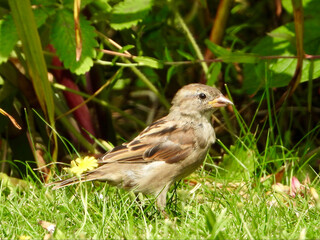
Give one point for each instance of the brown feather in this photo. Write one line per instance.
(172, 145)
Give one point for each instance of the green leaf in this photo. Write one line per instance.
(8, 37)
(310, 7)
(238, 57)
(210, 219)
(278, 43)
(41, 15)
(215, 224)
(214, 71)
(167, 55)
(231, 57)
(216, 49)
(148, 61)
(70, 3)
(26, 27)
(129, 13)
(102, 6)
(63, 40)
(126, 48)
(186, 55)
(239, 162)
(13, 182)
(171, 71)
(285, 36)
(36, 66)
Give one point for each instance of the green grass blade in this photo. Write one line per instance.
(36, 66)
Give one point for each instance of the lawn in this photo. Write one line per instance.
(199, 208)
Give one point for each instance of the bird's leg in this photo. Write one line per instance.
(162, 200)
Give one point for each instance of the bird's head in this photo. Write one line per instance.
(198, 99)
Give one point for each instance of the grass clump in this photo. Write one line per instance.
(247, 209)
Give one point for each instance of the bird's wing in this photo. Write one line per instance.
(161, 141)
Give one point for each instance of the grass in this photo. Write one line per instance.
(226, 202)
(247, 211)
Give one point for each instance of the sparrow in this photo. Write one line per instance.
(168, 150)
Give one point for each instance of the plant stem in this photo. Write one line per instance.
(101, 102)
(134, 68)
(107, 63)
(192, 41)
(149, 85)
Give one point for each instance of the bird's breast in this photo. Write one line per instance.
(205, 135)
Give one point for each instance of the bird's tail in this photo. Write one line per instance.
(68, 182)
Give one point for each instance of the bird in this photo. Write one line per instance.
(166, 151)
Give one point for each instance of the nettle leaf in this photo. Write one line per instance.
(41, 15)
(63, 40)
(278, 43)
(8, 32)
(129, 13)
(8, 37)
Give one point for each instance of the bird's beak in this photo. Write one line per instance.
(220, 102)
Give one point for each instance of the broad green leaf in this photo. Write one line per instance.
(239, 162)
(148, 61)
(129, 13)
(63, 40)
(13, 182)
(41, 15)
(8, 37)
(282, 69)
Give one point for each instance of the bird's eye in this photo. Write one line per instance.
(202, 96)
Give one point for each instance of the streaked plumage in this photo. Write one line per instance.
(166, 151)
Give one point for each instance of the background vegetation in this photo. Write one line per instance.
(79, 76)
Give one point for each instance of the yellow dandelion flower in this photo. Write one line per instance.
(81, 165)
(24, 237)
